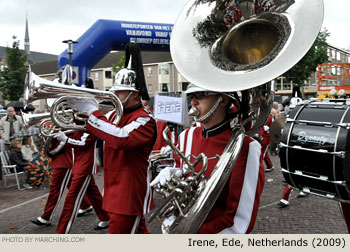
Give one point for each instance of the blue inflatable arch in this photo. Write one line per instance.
(110, 35)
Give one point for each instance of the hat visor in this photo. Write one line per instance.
(116, 88)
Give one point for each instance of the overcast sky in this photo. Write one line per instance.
(51, 22)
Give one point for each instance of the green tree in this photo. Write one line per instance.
(116, 67)
(317, 54)
(13, 75)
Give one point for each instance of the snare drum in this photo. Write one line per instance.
(315, 148)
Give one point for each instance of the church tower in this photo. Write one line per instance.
(26, 38)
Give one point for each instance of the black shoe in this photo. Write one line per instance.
(282, 205)
(269, 169)
(302, 195)
(39, 223)
(83, 212)
(102, 225)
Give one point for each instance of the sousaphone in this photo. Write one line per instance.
(233, 45)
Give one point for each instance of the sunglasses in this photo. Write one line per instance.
(200, 95)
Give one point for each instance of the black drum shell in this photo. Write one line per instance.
(318, 136)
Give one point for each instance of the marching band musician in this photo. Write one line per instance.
(265, 141)
(127, 147)
(83, 182)
(236, 208)
(62, 169)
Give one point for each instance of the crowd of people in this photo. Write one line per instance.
(16, 139)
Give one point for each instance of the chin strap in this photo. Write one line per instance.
(127, 98)
(195, 112)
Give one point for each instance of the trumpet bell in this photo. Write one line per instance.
(232, 45)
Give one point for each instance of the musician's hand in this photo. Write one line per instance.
(165, 175)
(266, 128)
(87, 106)
(60, 136)
(167, 222)
(165, 149)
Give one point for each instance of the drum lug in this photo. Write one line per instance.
(323, 178)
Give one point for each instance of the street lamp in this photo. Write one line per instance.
(70, 48)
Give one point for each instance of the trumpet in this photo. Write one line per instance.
(38, 88)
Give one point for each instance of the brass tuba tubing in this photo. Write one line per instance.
(202, 156)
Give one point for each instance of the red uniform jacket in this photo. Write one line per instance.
(266, 134)
(84, 147)
(236, 208)
(126, 151)
(160, 142)
(61, 155)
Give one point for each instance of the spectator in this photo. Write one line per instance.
(10, 125)
(275, 112)
(286, 108)
(37, 111)
(29, 151)
(16, 158)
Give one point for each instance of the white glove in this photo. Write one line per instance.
(61, 137)
(166, 174)
(167, 223)
(266, 128)
(165, 149)
(87, 106)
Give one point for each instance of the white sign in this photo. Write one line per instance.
(171, 109)
(327, 88)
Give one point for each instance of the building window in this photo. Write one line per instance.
(184, 86)
(149, 71)
(108, 74)
(150, 88)
(96, 76)
(338, 55)
(164, 87)
(164, 69)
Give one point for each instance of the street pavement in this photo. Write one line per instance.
(308, 215)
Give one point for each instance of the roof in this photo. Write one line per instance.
(45, 67)
(147, 57)
(35, 57)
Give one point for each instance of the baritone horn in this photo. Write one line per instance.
(36, 88)
(240, 45)
(44, 122)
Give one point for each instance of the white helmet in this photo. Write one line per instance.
(125, 79)
(192, 88)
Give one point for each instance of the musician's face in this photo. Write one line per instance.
(132, 100)
(203, 104)
(122, 94)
